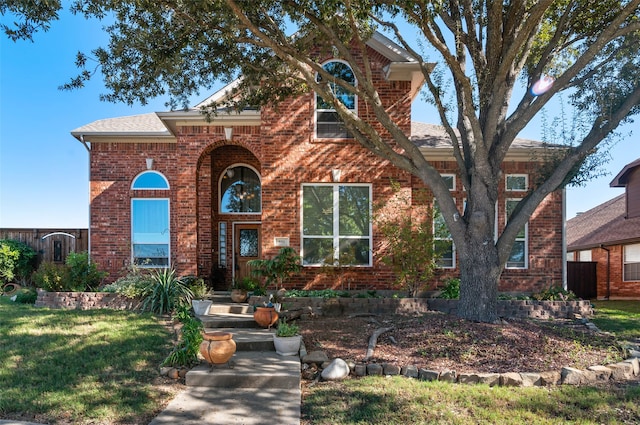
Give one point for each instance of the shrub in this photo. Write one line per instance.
(26, 296)
(196, 285)
(287, 329)
(451, 290)
(133, 285)
(554, 293)
(165, 292)
(186, 351)
(52, 277)
(83, 272)
(17, 260)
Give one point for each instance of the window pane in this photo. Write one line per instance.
(150, 180)
(631, 272)
(248, 242)
(511, 206)
(354, 210)
(241, 191)
(317, 210)
(450, 181)
(516, 182)
(317, 251)
(516, 259)
(444, 252)
(632, 253)
(354, 252)
(150, 220)
(151, 255)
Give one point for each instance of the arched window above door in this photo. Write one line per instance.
(240, 190)
(150, 180)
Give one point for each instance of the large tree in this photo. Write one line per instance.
(484, 52)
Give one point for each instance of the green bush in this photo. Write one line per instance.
(197, 286)
(52, 277)
(133, 285)
(451, 290)
(287, 329)
(165, 293)
(17, 260)
(186, 351)
(26, 296)
(83, 272)
(555, 293)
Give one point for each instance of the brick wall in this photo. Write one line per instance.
(618, 288)
(85, 300)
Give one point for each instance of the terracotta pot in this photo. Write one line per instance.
(265, 316)
(238, 295)
(217, 347)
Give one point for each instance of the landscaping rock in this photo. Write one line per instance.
(636, 365)
(531, 379)
(391, 369)
(448, 376)
(337, 370)
(374, 369)
(360, 369)
(510, 379)
(550, 377)
(410, 371)
(316, 357)
(621, 371)
(468, 378)
(491, 379)
(428, 375)
(164, 371)
(603, 373)
(572, 376)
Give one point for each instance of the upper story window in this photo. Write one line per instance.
(517, 182)
(631, 263)
(329, 125)
(240, 190)
(150, 180)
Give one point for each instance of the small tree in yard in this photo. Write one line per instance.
(408, 235)
(499, 63)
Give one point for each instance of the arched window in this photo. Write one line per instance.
(241, 190)
(328, 122)
(150, 180)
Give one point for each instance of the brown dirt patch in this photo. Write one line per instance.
(439, 341)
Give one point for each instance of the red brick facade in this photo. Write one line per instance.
(283, 150)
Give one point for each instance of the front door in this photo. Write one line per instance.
(246, 247)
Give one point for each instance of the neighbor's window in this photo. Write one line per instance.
(336, 225)
(518, 257)
(150, 234)
(329, 125)
(631, 263)
(241, 190)
(442, 241)
(584, 255)
(517, 182)
(150, 180)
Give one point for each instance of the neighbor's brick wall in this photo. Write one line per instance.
(619, 289)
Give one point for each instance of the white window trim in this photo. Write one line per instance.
(168, 266)
(453, 245)
(525, 239)
(220, 194)
(315, 103)
(526, 182)
(133, 182)
(336, 224)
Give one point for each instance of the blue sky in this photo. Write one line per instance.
(44, 178)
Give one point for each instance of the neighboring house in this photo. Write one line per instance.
(171, 189)
(609, 235)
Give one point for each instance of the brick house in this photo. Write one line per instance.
(171, 189)
(609, 235)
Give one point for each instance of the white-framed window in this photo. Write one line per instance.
(517, 182)
(150, 234)
(150, 180)
(584, 255)
(240, 190)
(519, 251)
(336, 224)
(571, 256)
(450, 181)
(631, 268)
(444, 249)
(329, 125)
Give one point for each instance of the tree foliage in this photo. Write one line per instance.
(485, 51)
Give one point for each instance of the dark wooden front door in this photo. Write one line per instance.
(246, 247)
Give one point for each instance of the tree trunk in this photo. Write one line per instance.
(479, 277)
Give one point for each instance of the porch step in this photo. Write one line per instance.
(249, 339)
(232, 308)
(228, 320)
(249, 369)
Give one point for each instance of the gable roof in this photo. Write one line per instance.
(605, 224)
(621, 179)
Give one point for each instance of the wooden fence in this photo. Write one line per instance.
(52, 245)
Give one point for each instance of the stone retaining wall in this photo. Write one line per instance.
(85, 300)
(506, 308)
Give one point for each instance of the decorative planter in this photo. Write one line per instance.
(238, 295)
(201, 307)
(287, 345)
(217, 347)
(265, 316)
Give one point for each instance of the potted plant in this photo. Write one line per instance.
(287, 338)
(200, 304)
(241, 287)
(278, 269)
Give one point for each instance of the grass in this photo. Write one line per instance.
(70, 366)
(399, 400)
(621, 318)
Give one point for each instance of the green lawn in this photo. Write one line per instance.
(621, 318)
(81, 367)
